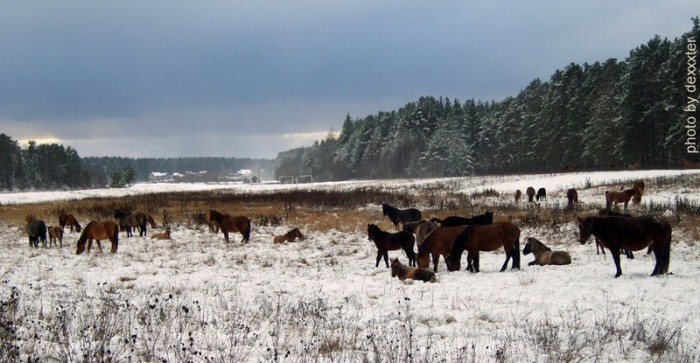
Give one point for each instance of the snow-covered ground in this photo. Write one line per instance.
(196, 298)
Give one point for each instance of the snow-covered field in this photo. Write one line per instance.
(196, 298)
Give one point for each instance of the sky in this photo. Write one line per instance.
(254, 78)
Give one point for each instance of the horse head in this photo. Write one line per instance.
(585, 229)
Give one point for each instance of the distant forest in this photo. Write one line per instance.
(601, 116)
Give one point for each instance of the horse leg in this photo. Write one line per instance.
(508, 256)
(385, 254)
(379, 258)
(99, 245)
(615, 252)
(476, 261)
(225, 231)
(436, 259)
(470, 257)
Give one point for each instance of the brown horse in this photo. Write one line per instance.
(55, 235)
(637, 198)
(107, 229)
(290, 236)
(137, 220)
(518, 195)
(486, 238)
(436, 243)
(386, 242)
(630, 233)
(67, 219)
(404, 272)
(619, 197)
(572, 197)
(228, 223)
(544, 255)
(162, 235)
(419, 228)
(36, 229)
(151, 220)
(530, 191)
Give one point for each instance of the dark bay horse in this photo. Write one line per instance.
(36, 229)
(620, 197)
(386, 242)
(400, 215)
(518, 195)
(572, 198)
(67, 219)
(630, 233)
(530, 191)
(436, 243)
(541, 194)
(107, 229)
(137, 220)
(290, 236)
(490, 237)
(228, 223)
(453, 221)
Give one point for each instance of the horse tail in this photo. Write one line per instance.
(516, 252)
(246, 234)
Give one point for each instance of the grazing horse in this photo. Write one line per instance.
(619, 197)
(228, 223)
(518, 194)
(453, 221)
(572, 197)
(530, 191)
(436, 243)
(137, 220)
(637, 198)
(609, 213)
(404, 272)
(544, 255)
(150, 220)
(400, 215)
(162, 235)
(67, 219)
(36, 229)
(490, 237)
(290, 236)
(386, 242)
(107, 229)
(55, 234)
(630, 233)
(541, 194)
(420, 228)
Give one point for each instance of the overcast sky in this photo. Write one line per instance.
(253, 78)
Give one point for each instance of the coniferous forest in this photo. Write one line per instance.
(612, 114)
(606, 115)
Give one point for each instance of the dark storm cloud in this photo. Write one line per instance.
(194, 70)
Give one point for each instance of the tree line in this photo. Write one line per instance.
(606, 115)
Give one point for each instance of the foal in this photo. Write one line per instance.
(544, 255)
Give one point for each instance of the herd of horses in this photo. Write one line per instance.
(450, 237)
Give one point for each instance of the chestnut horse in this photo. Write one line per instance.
(400, 215)
(630, 233)
(420, 228)
(55, 235)
(436, 243)
(228, 223)
(67, 219)
(386, 242)
(490, 237)
(107, 229)
(620, 197)
(290, 236)
(404, 272)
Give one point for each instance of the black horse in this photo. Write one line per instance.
(36, 229)
(400, 215)
(453, 221)
(541, 194)
(386, 242)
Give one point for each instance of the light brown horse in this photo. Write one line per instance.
(572, 197)
(67, 219)
(290, 236)
(436, 243)
(632, 234)
(228, 223)
(150, 220)
(107, 229)
(544, 255)
(162, 235)
(530, 191)
(619, 197)
(404, 272)
(518, 195)
(420, 229)
(488, 237)
(55, 235)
